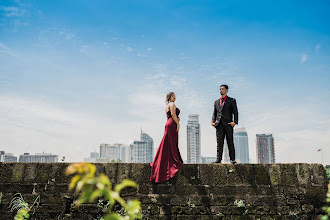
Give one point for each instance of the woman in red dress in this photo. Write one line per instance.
(168, 161)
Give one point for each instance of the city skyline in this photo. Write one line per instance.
(119, 152)
(74, 74)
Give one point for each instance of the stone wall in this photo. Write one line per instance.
(198, 191)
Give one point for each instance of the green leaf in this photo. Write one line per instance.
(22, 215)
(125, 183)
(134, 208)
(85, 195)
(324, 217)
(104, 180)
(97, 193)
(74, 181)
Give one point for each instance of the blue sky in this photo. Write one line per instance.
(74, 74)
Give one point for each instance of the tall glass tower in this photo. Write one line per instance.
(241, 143)
(265, 148)
(193, 139)
(150, 146)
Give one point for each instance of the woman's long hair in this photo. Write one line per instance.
(168, 96)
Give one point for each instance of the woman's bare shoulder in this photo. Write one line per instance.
(172, 105)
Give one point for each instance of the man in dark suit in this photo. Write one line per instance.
(225, 109)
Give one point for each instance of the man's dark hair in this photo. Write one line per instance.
(225, 86)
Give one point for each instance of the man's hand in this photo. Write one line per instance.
(213, 124)
(177, 127)
(232, 124)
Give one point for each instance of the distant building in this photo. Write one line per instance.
(7, 157)
(265, 148)
(112, 152)
(193, 139)
(38, 157)
(225, 154)
(94, 156)
(125, 154)
(105, 160)
(140, 152)
(208, 159)
(150, 147)
(241, 143)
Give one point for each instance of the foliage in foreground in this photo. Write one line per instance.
(91, 187)
(21, 207)
(327, 208)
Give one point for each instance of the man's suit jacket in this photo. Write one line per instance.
(225, 113)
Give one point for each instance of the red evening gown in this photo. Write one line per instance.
(167, 161)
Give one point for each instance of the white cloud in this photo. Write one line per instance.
(87, 50)
(67, 36)
(317, 47)
(128, 48)
(6, 50)
(149, 49)
(12, 11)
(29, 125)
(141, 55)
(304, 58)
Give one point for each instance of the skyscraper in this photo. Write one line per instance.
(142, 151)
(110, 152)
(265, 148)
(150, 147)
(193, 139)
(114, 152)
(139, 152)
(125, 154)
(241, 144)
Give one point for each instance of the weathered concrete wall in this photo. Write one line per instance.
(199, 191)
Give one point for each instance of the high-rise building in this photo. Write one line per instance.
(225, 154)
(140, 152)
(113, 152)
(38, 157)
(265, 148)
(241, 144)
(208, 159)
(7, 157)
(193, 139)
(150, 147)
(125, 154)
